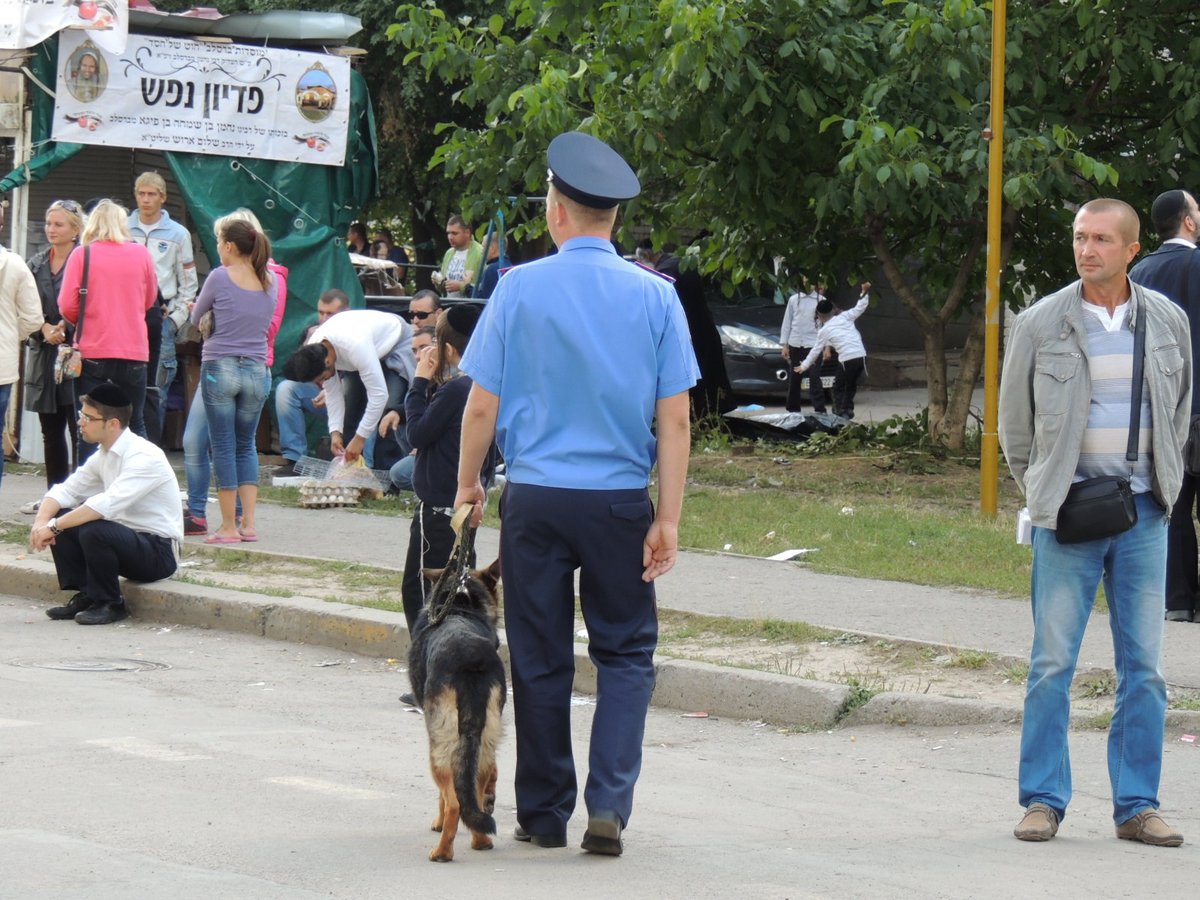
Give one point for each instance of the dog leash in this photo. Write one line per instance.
(453, 579)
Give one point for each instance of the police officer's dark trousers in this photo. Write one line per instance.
(547, 534)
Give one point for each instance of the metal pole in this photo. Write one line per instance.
(989, 467)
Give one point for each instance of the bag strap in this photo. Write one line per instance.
(1139, 359)
(83, 291)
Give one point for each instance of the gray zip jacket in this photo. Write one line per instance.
(1046, 391)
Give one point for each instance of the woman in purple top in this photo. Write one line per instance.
(233, 368)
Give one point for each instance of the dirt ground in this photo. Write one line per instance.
(865, 663)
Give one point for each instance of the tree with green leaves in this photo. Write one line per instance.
(845, 135)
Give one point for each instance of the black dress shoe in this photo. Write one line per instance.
(1173, 615)
(549, 841)
(603, 833)
(75, 605)
(104, 614)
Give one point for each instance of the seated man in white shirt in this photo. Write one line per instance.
(117, 515)
(363, 359)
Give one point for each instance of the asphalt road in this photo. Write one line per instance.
(232, 766)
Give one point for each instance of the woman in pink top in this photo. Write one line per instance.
(110, 324)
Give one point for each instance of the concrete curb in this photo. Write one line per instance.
(680, 684)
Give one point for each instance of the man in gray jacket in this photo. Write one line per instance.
(1064, 417)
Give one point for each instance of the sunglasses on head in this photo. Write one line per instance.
(69, 205)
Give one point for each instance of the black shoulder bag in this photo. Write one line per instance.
(1103, 507)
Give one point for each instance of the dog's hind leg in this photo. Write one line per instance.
(448, 813)
(487, 802)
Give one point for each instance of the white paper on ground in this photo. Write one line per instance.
(792, 554)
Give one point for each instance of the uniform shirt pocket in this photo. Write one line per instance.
(1168, 359)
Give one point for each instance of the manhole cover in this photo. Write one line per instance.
(90, 665)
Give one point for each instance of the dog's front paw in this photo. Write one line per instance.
(436, 824)
(437, 854)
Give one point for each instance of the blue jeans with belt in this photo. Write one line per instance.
(1065, 577)
(235, 388)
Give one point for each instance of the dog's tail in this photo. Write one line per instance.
(479, 720)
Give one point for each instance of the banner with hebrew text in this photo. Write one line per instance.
(194, 97)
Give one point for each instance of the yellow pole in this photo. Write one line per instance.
(989, 467)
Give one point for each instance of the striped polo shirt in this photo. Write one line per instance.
(1110, 360)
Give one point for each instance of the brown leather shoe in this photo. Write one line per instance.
(1039, 824)
(1149, 828)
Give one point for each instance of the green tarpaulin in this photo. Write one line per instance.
(305, 209)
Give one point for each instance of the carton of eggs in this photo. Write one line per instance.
(319, 494)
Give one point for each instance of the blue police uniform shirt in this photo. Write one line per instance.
(579, 347)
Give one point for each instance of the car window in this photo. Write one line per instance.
(745, 294)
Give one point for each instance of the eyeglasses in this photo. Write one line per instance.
(421, 316)
(69, 205)
(88, 418)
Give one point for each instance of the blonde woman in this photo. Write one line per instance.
(121, 287)
(53, 402)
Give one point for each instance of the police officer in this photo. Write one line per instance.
(574, 358)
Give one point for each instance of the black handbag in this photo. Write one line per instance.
(1103, 507)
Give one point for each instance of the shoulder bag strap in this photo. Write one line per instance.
(1139, 358)
(83, 290)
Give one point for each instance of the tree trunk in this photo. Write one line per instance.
(952, 430)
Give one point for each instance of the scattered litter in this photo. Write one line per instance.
(1188, 738)
(912, 543)
(166, 630)
(792, 554)
(257, 684)
(847, 510)
(781, 461)
(581, 700)
(938, 747)
(770, 534)
(694, 715)
(751, 407)
(392, 662)
(582, 633)
(729, 546)
(188, 564)
(20, 556)
(327, 663)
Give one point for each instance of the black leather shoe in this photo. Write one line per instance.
(1180, 615)
(549, 841)
(603, 833)
(408, 699)
(75, 605)
(104, 614)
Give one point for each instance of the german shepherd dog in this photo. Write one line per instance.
(458, 680)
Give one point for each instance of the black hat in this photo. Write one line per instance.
(108, 394)
(589, 171)
(1168, 209)
(463, 318)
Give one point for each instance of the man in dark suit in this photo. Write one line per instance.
(1174, 270)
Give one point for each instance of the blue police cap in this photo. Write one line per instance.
(589, 171)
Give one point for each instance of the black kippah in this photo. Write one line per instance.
(108, 394)
(1167, 209)
(463, 318)
(824, 307)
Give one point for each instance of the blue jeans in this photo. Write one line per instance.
(1065, 578)
(168, 365)
(401, 474)
(195, 457)
(293, 399)
(5, 394)
(235, 388)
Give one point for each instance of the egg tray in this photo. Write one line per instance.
(323, 494)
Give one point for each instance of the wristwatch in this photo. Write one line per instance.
(53, 526)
